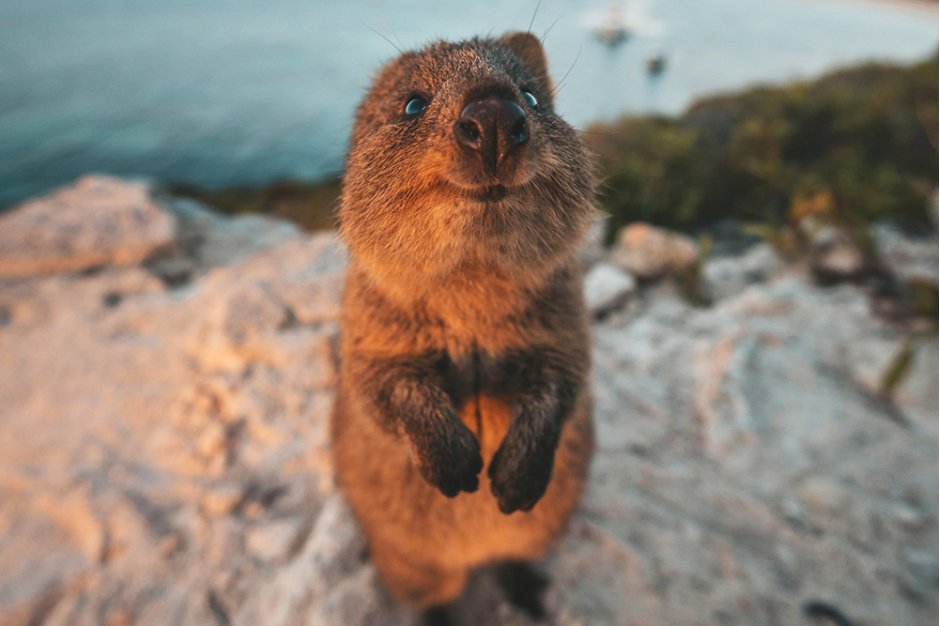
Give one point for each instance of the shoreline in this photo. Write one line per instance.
(922, 7)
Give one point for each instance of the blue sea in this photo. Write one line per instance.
(223, 92)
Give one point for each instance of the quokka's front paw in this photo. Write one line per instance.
(519, 473)
(448, 457)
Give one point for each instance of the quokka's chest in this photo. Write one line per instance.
(488, 417)
(482, 387)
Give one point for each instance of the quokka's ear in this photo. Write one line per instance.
(528, 49)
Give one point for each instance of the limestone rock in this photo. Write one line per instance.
(838, 259)
(194, 417)
(909, 258)
(606, 288)
(762, 466)
(164, 456)
(98, 221)
(834, 253)
(727, 276)
(648, 252)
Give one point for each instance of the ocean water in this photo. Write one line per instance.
(223, 92)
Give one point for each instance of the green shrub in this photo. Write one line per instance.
(866, 136)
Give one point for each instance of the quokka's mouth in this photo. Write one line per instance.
(482, 193)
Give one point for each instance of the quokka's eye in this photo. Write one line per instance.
(415, 105)
(531, 99)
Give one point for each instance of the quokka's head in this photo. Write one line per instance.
(458, 159)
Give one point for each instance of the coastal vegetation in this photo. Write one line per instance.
(857, 146)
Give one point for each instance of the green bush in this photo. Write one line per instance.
(864, 137)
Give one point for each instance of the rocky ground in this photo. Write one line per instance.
(166, 376)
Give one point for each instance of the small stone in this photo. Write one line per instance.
(834, 255)
(606, 288)
(729, 275)
(648, 252)
(909, 516)
(839, 260)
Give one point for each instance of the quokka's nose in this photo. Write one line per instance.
(492, 127)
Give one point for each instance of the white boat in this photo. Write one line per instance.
(614, 29)
(619, 22)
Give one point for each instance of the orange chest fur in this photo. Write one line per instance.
(488, 418)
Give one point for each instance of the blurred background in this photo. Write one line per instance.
(222, 93)
(762, 285)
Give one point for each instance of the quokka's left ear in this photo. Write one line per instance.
(528, 49)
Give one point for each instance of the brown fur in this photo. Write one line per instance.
(465, 339)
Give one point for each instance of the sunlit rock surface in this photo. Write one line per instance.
(164, 450)
(98, 221)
